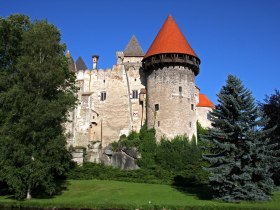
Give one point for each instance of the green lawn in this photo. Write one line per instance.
(115, 194)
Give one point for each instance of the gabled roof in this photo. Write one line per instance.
(133, 49)
(204, 101)
(80, 64)
(170, 39)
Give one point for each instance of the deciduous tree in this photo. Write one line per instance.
(36, 93)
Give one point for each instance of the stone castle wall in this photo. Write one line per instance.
(171, 102)
(113, 102)
(106, 108)
(203, 116)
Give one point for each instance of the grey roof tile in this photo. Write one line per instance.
(133, 49)
(80, 64)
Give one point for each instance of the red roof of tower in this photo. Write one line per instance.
(170, 39)
(204, 101)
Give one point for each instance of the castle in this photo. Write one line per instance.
(158, 86)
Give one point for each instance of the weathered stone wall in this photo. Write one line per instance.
(173, 89)
(100, 119)
(203, 116)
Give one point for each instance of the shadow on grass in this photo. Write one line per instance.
(39, 192)
(61, 185)
(190, 186)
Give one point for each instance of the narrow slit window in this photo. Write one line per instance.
(180, 89)
(192, 107)
(103, 96)
(158, 123)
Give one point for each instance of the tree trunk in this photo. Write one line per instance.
(28, 196)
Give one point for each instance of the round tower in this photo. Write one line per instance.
(171, 66)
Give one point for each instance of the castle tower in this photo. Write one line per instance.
(171, 66)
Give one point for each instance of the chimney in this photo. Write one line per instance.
(94, 61)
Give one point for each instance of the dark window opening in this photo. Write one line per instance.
(156, 107)
(103, 96)
(158, 123)
(190, 124)
(104, 80)
(180, 89)
(192, 107)
(135, 94)
(209, 117)
(135, 79)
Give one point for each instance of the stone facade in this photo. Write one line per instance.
(203, 116)
(109, 103)
(116, 101)
(112, 102)
(171, 102)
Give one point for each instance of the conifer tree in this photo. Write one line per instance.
(241, 157)
(36, 93)
(271, 107)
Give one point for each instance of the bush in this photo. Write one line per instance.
(176, 161)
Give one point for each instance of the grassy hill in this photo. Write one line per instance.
(100, 194)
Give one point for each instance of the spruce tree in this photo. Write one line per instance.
(241, 157)
(36, 93)
(271, 107)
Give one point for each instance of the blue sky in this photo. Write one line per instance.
(240, 37)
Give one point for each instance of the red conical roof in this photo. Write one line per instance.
(170, 39)
(204, 101)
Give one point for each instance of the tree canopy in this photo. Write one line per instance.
(240, 154)
(36, 93)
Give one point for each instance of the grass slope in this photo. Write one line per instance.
(115, 194)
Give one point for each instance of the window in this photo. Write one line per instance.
(192, 107)
(190, 124)
(209, 117)
(158, 123)
(103, 96)
(84, 100)
(156, 107)
(180, 89)
(135, 94)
